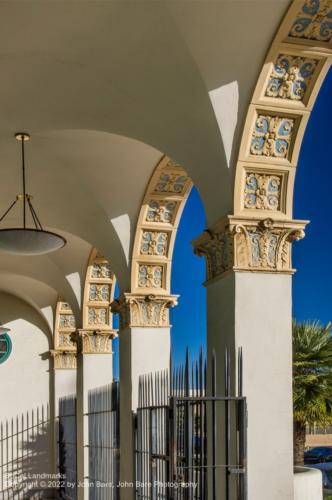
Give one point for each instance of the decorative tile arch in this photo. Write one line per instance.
(161, 210)
(258, 236)
(64, 352)
(97, 318)
(287, 87)
(150, 299)
(97, 321)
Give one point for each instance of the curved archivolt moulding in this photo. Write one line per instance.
(64, 352)
(98, 293)
(149, 302)
(292, 74)
(158, 220)
(259, 236)
(97, 332)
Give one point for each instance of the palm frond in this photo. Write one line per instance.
(312, 373)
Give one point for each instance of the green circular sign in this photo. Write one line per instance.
(5, 347)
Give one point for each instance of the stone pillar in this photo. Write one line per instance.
(64, 384)
(145, 347)
(249, 305)
(64, 363)
(94, 369)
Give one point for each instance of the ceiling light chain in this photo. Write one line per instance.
(22, 138)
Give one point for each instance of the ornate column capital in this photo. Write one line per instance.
(63, 360)
(243, 244)
(93, 341)
(144, 310)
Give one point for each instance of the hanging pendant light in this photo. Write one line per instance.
(24, 240)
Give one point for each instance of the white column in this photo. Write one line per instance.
(253, 311)
(64, 380)
(94, 369)
(250, 306)
(64, 385)
(145, 347)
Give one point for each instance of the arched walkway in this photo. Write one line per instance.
(107, 90)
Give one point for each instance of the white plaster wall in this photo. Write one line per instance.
(27, 370)
(25, 391)
(150, 352)
(308, 484)
(263, 318)
(97, 370)
(253, 310)
(64, 385)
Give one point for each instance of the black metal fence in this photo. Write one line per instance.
(103, 422)
(152, 432)
(67, 444)
(189, 437)
(25, 450)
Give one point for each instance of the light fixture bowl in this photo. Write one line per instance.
(26, 241)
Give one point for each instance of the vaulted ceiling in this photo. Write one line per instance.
(105, 89)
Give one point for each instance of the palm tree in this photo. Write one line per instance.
(312, 380)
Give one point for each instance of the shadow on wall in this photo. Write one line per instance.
(25, 445)
(13, 308)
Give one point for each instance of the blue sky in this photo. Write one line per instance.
(188, 274)
(312, 256)
(312, 284)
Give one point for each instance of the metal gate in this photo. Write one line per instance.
(103, 418)
(152, 431)
(188, 441)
